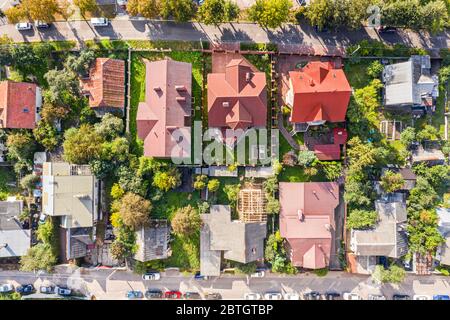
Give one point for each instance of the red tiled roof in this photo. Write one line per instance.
(320, 92)
(327, 152)
(167, 107)
(307, 220)
(238, 97)
(18, 104)
(106, 84)
(340, 136)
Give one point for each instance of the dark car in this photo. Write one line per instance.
(313, 295)
(213, 296)
(332, 296)
(63, 291)
(401, 297)
(153, 294)
(385, 29)
(172, 294)
(25, 289)
(198, 276)
(192, 296)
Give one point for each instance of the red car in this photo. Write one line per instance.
(172, 295)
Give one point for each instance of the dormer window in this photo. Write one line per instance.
(225, 104)
(25, 110)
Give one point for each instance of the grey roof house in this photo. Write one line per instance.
(234, 239)
(14, 241)
(387, 239)
(410, 84)
(153, 241)
(443, 252)
(429, 154)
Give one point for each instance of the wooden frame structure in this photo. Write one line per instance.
(252, 205)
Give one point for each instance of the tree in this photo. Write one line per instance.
(46, 232)
(270, 185)
(43, 10)
(65, 9)
(47, 135)
(148, 165)
(52, 113)
(80, 64)
(130, 182)
(20, 145)
(277, 167)
(168, 179)
(147, 8)
(216, 12)
(116, 191)
(306, 158)
(367, 100)
(24, 59)
(213, 185)
(358, 193)
(29, 182)
(391, 181)
(408, 136)
(180, 10)
(82, 145)
(427, 133)
(270, 13)
(232, 192)
(39, 257)
(200, 182)
(246, 268)
(361, 219)
(332, 169)
(15, 14)
(125, 243)
(394, 274)
(374, 69)
(86, 6)
(186, 222)
(134, 210)
(62, 84)
(272, 205)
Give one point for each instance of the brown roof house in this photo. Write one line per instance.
(153, 241)
(237, 98)
(307, 221)
(164, 119)
(234, 239)
(105, 86)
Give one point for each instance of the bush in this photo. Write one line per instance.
(374, 69)
(321, 272)
(361, 219)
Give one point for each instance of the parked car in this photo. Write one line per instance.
(99, 22)
(386, 29)
(422, 297)
(192, 296)
(441, 297)
(291, 296)
(153, 294)
(273, 296)
(42, 218)
(312, 295)
(63, 291)
(331, 295)
(47, 289)
(252, 296)
(172, 294)
(198, 276)
(351, 296)
(25, 289)
(399, 296)
(6, 288)
(258, 274)
(41, 24)
(23, 26)
(376, 297)
(213, 296)
(151, 276)
(134, 295)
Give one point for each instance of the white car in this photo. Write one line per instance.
(258, 274)
(422, 297)
(351, 296)
(376, 297)
(291, 296)
(6, 288)
(273, 296)
(252, 296)
(151, 276)
(99, 22)
(23, 26)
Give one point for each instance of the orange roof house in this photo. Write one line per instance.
(105, 86)
(307, 221)
(164, 119)
(318, 93)
(20, 103)
(237, 98)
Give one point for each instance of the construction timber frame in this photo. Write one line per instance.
(252, 204)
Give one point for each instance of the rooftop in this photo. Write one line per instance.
(153, 241)
(14, 241)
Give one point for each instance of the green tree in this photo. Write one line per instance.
(20, 145)
(374, 69)
(147, 8)
(43, 10)
(46, 232)
(15, 14)
(277, 167)
(168, 179)
(232, 192)
(80, 64)
(116, 191)
(213, 185)
(47, 135)
(216, 12)
(306, 158)
(272, 205)
(200, 182)
(270, 13)
(427, 133)
(270, 185)
(86, 6)
(62, 84)
(179, 10)
(29, 182)
(124, 245)
(332, 169)
(246, 268)
(134, 210)
(358, 193)
(24, 59)
(148, 165)
(82, 145)
(408, 136)
(130, 182)
(391, 181)
(361, 219)
(394, 274)
(186, 222)
(39, 257)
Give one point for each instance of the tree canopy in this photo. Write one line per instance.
(134, 210)
(391, 181)
(216, 12)
(186, 221)
(270, 13)
(82, 145)
(361, 219)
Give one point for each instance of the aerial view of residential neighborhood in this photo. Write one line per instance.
(224, 150)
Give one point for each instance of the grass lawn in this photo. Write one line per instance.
(6, 177)
(221, 197)
(356, 73)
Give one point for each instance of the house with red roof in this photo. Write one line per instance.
(105, 86)
(164, 119)
(307, 221)
(318, 93)
(20, 104)
(237, 97)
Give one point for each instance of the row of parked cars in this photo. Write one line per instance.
(314, 295)
(25, 26)
(170, 295)
(26, 289)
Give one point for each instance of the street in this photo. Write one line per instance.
(113, 284)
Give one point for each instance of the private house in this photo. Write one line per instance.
(20, 104)
(70, 193)
(237, 97)
(387, 239)
(307, 221)
(153, 241)
(318, 93)
(164, 119)
(105, 86)
(14, 240)
(328, 150)
(233, 239)
(410, 86)
(429, 153)
(443, 252)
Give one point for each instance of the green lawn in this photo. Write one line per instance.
(356, 73)
(6, 177)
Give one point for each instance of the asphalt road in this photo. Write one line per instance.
(113, 285)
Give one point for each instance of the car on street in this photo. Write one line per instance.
(25, 289)
(386, 29)
(47, 289)
(42, 218)
(153, 294)
(199, 276)
(312, 295)
(258, 274)
(63, 291)
(441, 297)
(23, 26)
(332, 295)
(6, 288)
(376, 297)
(151, 276)
(41, 24)
(399, 296)
(291, 296)
(213, 296)
(134, 295)
(422, 297)
(192, 296)
(99, 22)
(252, 296)
(273, 296)
(172, 294)
(351, 296)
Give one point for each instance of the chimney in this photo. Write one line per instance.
(157, 88)
(225, 104)
(311, 82)
(301, 216)
(248, 76)
(180, 88)
(328, 227)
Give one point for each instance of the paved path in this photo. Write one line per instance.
(292, 37)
